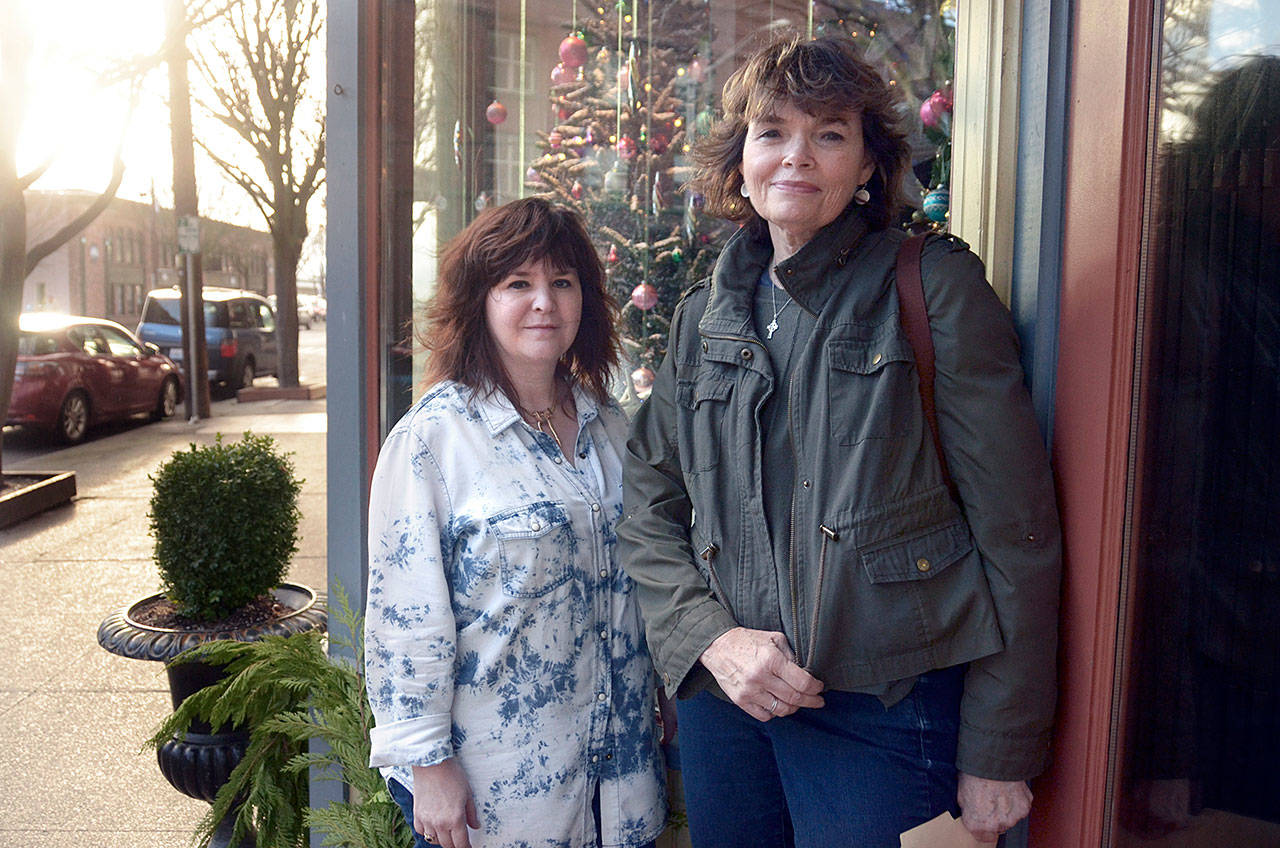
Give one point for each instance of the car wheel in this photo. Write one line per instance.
(73, 418)
(246, 375)
(168, 402)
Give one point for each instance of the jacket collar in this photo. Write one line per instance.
(806, 276)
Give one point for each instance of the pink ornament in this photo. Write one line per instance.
(613, 254)
(561, 75)
(573, 52)
(627, 148)
(590, 137)
(555, 140)
(642, 379)
(644, 297)
(532, 175)
(496, 113)
(928, 114)
(576, 190)
(942, 101)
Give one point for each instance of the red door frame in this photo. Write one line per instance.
(1105, 188)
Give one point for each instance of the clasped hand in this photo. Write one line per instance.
(442, 804)
(758, 671)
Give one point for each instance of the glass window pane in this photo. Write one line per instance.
(1200, 750)
(596, 104)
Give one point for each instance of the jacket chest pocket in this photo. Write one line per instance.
(870, 391)
(704, 408)
(536, 548)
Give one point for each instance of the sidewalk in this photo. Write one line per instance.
(72, 716)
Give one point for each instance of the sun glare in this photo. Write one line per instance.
(71, 118)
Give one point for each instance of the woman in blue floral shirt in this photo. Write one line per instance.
(506, 660)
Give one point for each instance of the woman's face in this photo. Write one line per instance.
(533, 314)
(801, 170)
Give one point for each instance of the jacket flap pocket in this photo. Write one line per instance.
(917, 557)
(691, 393)
(867, 356)
(529, 521)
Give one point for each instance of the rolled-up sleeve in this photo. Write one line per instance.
(410, 633)
(997, 459)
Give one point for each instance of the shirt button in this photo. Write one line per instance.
(604, 573)
(594, 758)
(582, 455)
(604, 634)
(923, 564)
(600, 697)
(557, 460)
(535, 526)
(595, 507)
(608, 756)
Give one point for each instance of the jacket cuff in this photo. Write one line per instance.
(1001, 755)
(422, 741)
(682, 648)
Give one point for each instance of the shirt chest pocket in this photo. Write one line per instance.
(870, 390)
(536, 548)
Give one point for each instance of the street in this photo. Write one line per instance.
(21, 445)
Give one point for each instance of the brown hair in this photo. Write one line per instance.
(497, 242)
(820, 77)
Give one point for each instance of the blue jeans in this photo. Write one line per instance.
(404, 798)
(850, 774)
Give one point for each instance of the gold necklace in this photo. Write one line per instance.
(543, 416)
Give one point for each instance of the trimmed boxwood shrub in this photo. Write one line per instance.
(225, 521)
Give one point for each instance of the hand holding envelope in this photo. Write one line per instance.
(942, 832)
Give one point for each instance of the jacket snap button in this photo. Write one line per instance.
(535, 526)
(875, 360)
(806, 484)
(747, 354)
(923, 564)
(704, 347)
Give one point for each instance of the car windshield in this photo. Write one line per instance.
(36, 344)
(164, 310)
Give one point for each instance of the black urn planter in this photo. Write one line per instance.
(199, 762)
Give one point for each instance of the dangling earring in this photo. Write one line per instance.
(742, 190)
(861, 196)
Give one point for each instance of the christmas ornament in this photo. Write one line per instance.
(589, 137)
(613, 254)
(644, 297)
(936, 204)
(555, 139)
(563, 113)
(626, 147)
(659, 143)
(532, 176)
(615, 182)
(677, 255)
(642, 379)
(932, 110)
(576, 190)
(561, 75)
(496, 113)
(928, 114)
(573, 52)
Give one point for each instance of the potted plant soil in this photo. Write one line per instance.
(225, 521)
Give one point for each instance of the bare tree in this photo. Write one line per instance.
(257, 65)
(17, 257)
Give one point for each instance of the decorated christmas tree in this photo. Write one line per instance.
(630, 94)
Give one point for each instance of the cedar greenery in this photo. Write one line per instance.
(289, 691)
(225, 520)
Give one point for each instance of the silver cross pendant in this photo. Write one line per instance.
(771, 327)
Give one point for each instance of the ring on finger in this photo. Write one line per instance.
(774, 706)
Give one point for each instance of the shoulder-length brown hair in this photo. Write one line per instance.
(820, 77)
(497, 242)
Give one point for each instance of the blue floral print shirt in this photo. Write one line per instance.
(500, 629)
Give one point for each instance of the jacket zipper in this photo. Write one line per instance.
(827, 535)
(708, 556)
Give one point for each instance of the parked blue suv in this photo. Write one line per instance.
(239, 331)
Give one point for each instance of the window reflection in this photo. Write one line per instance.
(597, 103)
(1201, 749)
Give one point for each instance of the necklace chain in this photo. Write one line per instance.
(772, 326)
(543, 417)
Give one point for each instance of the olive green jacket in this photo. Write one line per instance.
(888, 576)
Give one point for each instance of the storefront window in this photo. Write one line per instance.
(597, 104)
(1199, 751)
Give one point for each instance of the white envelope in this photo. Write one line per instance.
(942, 832)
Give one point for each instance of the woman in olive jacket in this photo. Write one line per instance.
(858, 646)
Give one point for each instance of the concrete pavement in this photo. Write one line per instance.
(72, 716)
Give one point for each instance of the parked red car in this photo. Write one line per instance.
(76, 372)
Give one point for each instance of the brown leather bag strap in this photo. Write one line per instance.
(915, 322)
